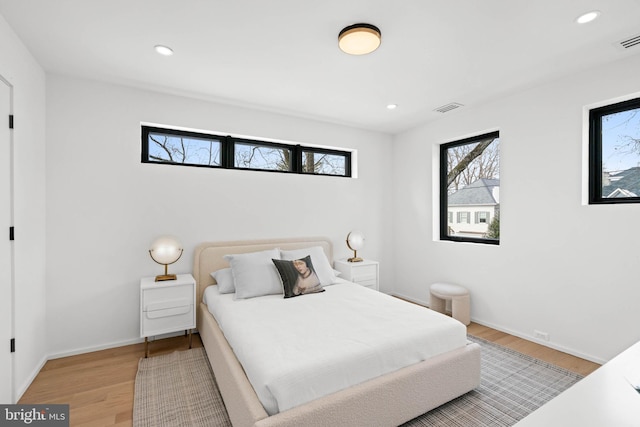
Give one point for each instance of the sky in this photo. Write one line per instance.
(616, 128)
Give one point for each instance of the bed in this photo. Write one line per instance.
(386, 400)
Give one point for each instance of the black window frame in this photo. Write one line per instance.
(444, 203)
(227, 151)
(232, 142)
(595, 151)
(146, 130)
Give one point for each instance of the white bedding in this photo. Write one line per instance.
(298, 349)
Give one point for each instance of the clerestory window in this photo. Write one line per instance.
(185, 148)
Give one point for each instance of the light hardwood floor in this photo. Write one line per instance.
(558, 358)
(99, 386)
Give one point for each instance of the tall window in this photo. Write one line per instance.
(177, 147)
(470, 185)
(614, 153)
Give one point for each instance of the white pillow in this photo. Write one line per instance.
(224, 279)
(254, 274)
(318, 259)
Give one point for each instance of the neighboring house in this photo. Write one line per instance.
(472, 208)
(624, 183)
(620, 192)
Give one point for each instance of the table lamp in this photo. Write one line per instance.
(166, 250)
(355, 242)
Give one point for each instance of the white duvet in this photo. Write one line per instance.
(298, 349)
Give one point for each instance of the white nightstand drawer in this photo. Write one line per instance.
(173, 319)
(168, 308)
(364, 273)
(161, 294)
(371, 283)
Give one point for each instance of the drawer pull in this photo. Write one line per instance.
(162, 305)
(168, 312)
(364, 277)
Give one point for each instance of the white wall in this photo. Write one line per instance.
(554, 270)
(562, 267)
(105, 207)
(28, 81)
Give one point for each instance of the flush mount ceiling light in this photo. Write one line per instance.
(588, 17)
(392, 106)
(359, 39)
(163, 50)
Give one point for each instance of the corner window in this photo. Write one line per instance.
(184, 148)
(614, 153)
(470, 189)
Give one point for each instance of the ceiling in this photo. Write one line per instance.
(282, 55)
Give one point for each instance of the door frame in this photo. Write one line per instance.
(11, 261)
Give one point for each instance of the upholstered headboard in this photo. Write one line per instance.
(209, 255)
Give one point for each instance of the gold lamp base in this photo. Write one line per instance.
(163, 277)
(355, 259)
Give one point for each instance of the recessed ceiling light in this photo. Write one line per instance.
(392, 106)
(163, 50)
(587, 17)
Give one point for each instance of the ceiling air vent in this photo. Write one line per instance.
(629, 42)
(448, 107)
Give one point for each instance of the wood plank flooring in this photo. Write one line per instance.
(558, 358)
(99, 386)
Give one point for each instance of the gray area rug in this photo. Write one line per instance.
(178, 389)
(512, 385)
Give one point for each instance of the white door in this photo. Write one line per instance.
(6, 256)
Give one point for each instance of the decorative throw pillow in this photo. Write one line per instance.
(298, 277)
(254, 274)
(318, 257)
(224, 279)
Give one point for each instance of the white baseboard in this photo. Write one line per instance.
(417, 301)
(110, 345)
(23, 388)
(83, 350)
(549, 344)
(527, 337)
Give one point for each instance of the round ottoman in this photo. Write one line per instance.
(459, 297)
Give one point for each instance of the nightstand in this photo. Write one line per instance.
(364, 273)
(167, 306)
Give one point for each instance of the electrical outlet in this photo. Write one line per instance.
(541, 335)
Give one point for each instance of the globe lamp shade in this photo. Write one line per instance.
(355, 242)
(166, 250)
